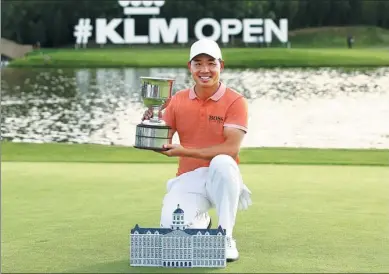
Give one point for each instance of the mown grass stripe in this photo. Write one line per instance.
(91, 153)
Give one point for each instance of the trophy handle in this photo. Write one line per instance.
(165, 104)
(171, 88)
(170, 95)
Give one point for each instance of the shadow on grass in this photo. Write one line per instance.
(123, 266)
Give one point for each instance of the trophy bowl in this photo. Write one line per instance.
(154, 133)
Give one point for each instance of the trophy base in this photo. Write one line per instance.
(151, 136)
(152, 148)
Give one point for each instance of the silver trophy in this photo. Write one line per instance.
(154, 133)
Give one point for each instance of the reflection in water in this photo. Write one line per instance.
(288, 107)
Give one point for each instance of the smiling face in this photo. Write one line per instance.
(206, 70)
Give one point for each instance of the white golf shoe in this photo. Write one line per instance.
(232, 253)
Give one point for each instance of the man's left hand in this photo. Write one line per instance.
(174, 150)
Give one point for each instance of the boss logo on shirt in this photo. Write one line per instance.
(217, 119)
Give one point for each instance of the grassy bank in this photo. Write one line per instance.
(331, 37)
(311, 47)
(24, 152)
(234, 57)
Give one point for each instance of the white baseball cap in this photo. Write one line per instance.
(205, 46)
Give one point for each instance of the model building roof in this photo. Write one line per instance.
(189, 231)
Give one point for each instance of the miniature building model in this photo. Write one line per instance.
(178, 246)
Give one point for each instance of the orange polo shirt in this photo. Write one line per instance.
(199, 123)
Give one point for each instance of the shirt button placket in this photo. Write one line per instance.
(203, 116)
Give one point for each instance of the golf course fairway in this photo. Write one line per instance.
(75, 217)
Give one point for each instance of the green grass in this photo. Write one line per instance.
(364, 36)
(69, 209)
(234, 58)
(76, 217)
(55, 152)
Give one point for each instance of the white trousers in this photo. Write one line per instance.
(220, 185)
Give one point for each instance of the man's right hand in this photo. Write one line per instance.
(148, 114)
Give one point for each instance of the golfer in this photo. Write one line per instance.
(211, 121)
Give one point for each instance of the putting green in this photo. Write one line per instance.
(76, 217)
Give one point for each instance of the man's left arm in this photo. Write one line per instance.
(231, 146)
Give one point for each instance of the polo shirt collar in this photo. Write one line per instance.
(215, 97)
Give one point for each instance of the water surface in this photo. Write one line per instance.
(287, 107)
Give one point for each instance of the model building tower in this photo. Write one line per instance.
(178, 246)
(178, 219)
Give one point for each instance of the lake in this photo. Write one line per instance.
(324, 108)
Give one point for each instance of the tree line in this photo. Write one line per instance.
(52, 22)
